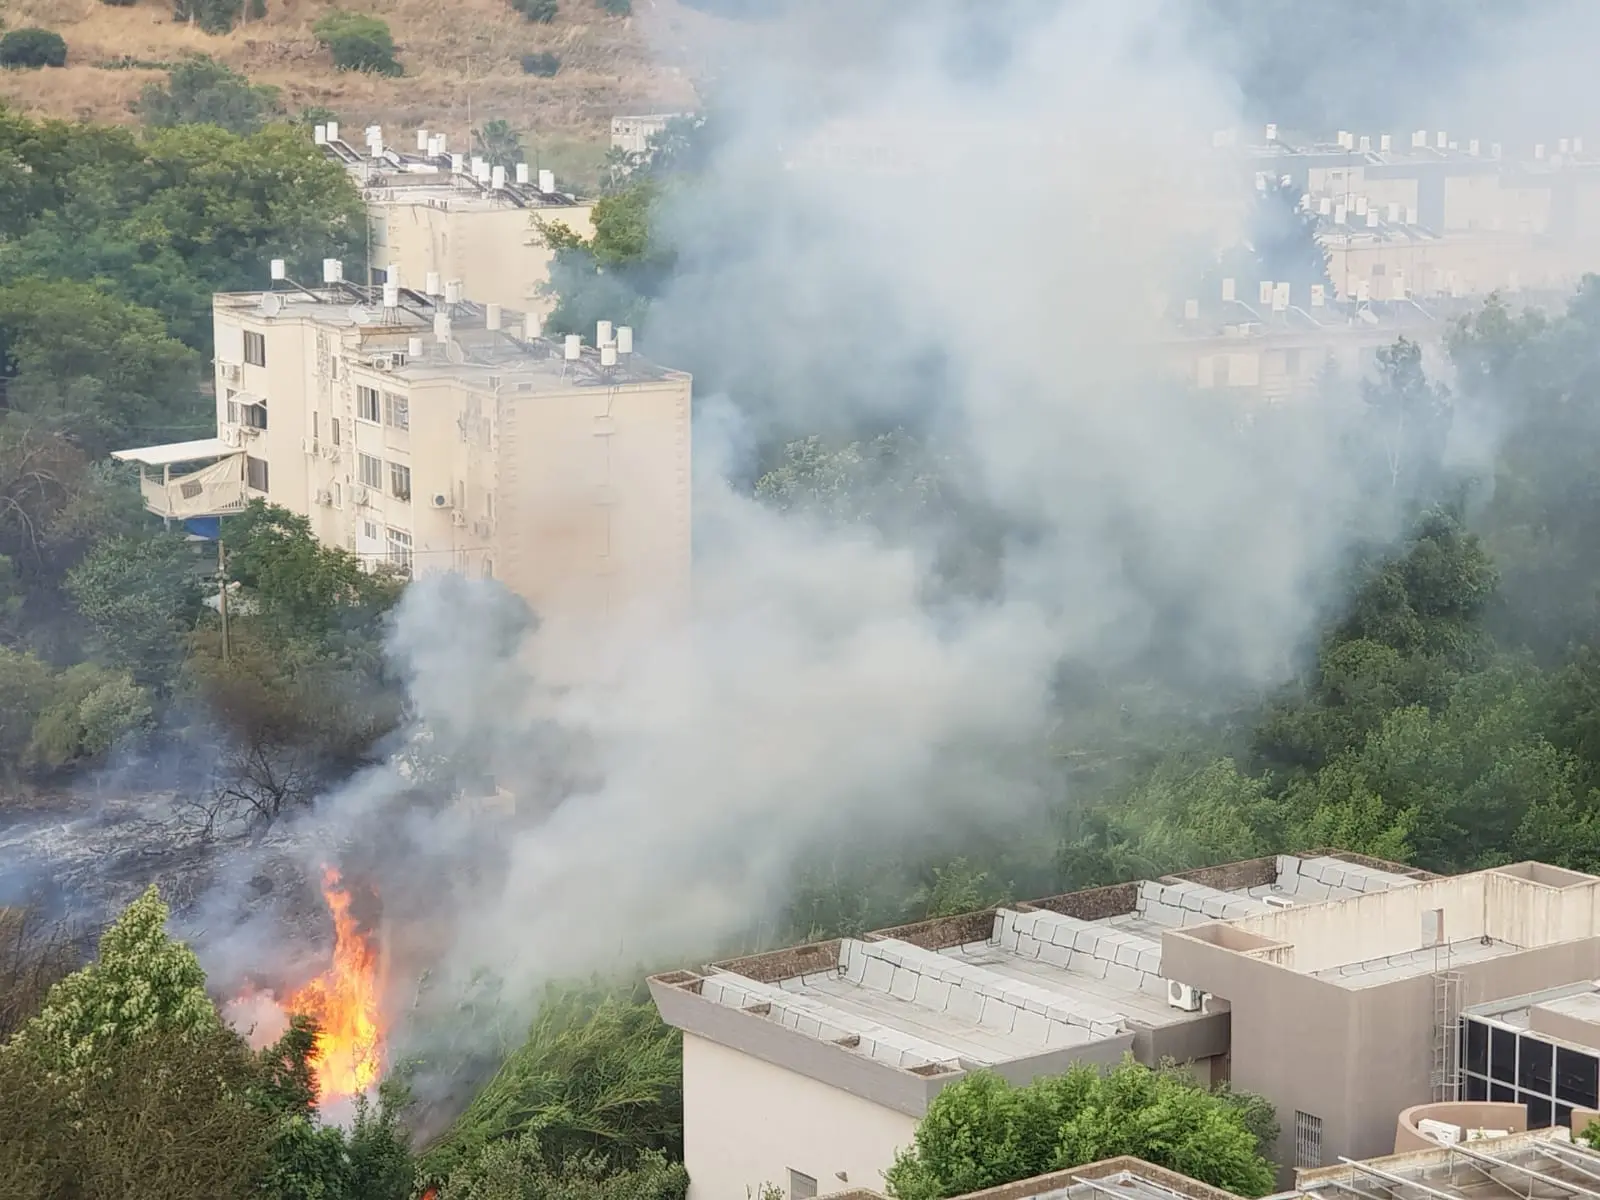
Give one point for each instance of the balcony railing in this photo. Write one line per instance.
(212, 491)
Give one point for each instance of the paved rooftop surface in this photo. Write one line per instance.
(1375, 971)
(1041, 981)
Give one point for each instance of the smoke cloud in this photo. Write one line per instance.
(899, 223)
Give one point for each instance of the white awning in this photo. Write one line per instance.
(176, 452)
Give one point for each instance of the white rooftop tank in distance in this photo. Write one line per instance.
(333, 131)
(279, 269)
(625, 339)
(431, 287)
(332, 270)
(608, 355)
(492, 316)
(522, 173)
(453, 292)
(441, 327)
(414, 347)
(391, 295)
(602, 332)
(497, 178)
(319, 135)
(573, 349)
(422, 140)
(547, 182)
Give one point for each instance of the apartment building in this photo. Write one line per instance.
(1343, 989)
(632, 135)
(434, 433)
(434, 213)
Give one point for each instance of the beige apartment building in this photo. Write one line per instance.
(1342, 989)
(432, 433)
(437, 214)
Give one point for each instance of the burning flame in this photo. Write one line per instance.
(344, 1000)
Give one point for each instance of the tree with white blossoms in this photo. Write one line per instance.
(142, 982)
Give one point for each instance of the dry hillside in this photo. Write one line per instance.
(462, 61)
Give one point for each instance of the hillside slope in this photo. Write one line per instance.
(462, 61)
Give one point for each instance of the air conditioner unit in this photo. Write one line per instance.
(229, 435)
(1277, 901)
(330, 452)
(229, 371)
(440, 500)
(359, 495)
(308, 445)
(325, 497)
(1184, 996)
(458, 519)
(383, 362)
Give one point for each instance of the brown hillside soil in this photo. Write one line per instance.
(462, 60)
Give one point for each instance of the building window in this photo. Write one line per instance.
(488, 568)
(1307, 1141)
(255, 415)
(400, 549)
(314, 426)
(233, 407)
(255, 349)
(801, 1187)
(400, 481)
(333, 430)
(369, 530)
(255, 473)
(371, 470)
(368, 407)
(338, 496)
(396, 411)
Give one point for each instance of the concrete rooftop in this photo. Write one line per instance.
(1023, 980)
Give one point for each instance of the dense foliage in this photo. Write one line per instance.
(358, 42)
(202, 91)
(33, 48)
(981, 1132)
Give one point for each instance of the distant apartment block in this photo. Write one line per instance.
(632, 135)
(434, 433)
(1343, 989)
(438, 213)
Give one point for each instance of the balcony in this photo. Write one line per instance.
(214, 489)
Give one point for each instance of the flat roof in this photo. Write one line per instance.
(1542, 1163)
(176, 452)
(1018, 981)
(1577, 1001)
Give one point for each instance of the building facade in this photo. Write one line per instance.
(433, 434)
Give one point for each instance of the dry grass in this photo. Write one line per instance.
(462, 60)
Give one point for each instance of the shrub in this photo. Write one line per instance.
(358, 43)
(212, 16)
(618, 8)
(202, 91)
(543, 11)
(33, 48)
(544, 64)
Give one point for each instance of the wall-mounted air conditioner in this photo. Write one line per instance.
(383, 362)
(229, 435)
(330, 452)
(308, 445)
(229, 371)
(440, 500)
(1183, 996)
(325, 497)
(360, 496)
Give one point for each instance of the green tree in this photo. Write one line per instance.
(98, 369)
(27, 689)
(358, 43)
(142, 597)
(516, 1169)
(1410, 420)
(33, 48)
(497, 142)
(202, 91)
(141, 982)
(981, 1132)
(212, 16)
(94, 709)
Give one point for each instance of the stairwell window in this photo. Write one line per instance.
(400, 481)
(396, 411)
(371, 470)
(255, 349)
(400, 549)
(255, 474)
(368, 406)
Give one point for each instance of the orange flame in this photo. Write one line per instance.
(344, 1000)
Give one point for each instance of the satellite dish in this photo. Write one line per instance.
(360, 315)
(454, 352)
(271, 304)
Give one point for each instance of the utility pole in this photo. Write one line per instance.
(222, 596)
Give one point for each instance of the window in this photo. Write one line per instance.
(333, 430)
(801, 1187)
(338, 496)
(314, 430)
(369, 530)
(233, 407)
(400, 481)
(1502, 1055)
(400, 549)
(255, 349)
(396, 411)
(255, 415)
(1307, 1140)
(1477, 1056)
(1535, 1069)
(1575, 1077)
(255, 473)
(371, 470)
(367, 405)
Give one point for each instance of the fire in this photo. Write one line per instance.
(345, 1001)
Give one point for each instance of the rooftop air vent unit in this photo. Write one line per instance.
(440, 500)
(1277, 901)
(1184, 997)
